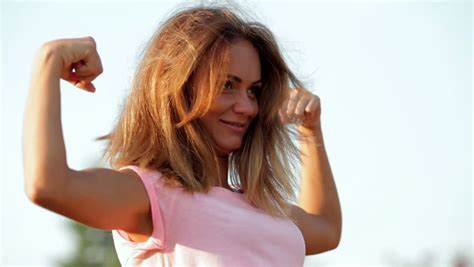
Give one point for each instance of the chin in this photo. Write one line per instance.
(227, 148)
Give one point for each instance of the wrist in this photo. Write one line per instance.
(48, 61)
(314, 130)
(311, 135)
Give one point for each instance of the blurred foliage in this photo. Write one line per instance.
(94, 248)
(459, 258)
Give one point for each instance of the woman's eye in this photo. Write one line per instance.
(254, 91)
(228, 85)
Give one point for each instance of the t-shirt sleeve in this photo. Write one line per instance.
(157, 239)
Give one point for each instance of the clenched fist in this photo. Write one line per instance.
(301, 107)
(76, 60)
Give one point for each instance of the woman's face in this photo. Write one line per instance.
(231, 112)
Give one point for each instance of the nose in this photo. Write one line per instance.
(245, 105)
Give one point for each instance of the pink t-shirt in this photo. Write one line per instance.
(220, 228)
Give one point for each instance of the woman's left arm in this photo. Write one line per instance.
(318, 213)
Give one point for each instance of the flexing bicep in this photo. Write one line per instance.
(102, 198)
(319, 234)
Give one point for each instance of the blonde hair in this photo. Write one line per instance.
(181, 73)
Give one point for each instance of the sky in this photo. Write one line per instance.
(394, 79)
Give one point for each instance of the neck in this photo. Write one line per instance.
(223, 167)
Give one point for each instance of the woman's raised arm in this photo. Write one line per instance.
(101, 198)
(318, 213)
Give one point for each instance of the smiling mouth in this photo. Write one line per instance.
(234, 125)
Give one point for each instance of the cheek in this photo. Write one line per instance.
(220, 104)
(208, 120)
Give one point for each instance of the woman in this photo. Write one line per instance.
(209, 104)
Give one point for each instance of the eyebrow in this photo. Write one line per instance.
(239, 80)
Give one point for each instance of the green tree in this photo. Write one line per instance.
(94, 248)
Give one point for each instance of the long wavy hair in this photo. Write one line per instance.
(181, 73)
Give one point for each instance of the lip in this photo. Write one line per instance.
(234, 126)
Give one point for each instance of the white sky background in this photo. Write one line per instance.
(395, 86)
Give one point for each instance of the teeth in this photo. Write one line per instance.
(235, 124)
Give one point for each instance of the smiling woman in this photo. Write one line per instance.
(211, 99)
(233, 110)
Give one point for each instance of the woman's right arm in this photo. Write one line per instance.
(101, 198)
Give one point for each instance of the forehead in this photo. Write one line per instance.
(244, 61)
